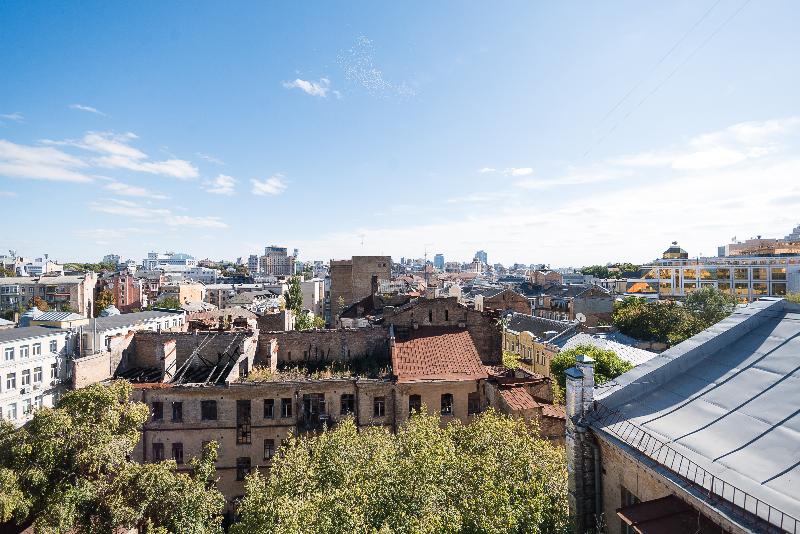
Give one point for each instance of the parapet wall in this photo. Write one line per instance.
(324, 345)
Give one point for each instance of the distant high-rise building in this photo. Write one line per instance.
(276, 262)
(252, 264)
(438, 261)
(482, 257)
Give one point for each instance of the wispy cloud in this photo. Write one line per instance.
(509, 171)
(15, 117)
(221, 185)
(133, 210)
(319, 88)
(731, 146)
(8, 194)
(128, 190)
(40, 163)
(209, 158)
(486, 170)
(117, 153)
(358, 64)
(274, 185)
(88, 109)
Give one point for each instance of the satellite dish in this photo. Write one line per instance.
(580, 317)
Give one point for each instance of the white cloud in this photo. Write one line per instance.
(15, 117)
(126, 208)
(40, 163)
(209, 158)
(128, 190)
(319, 88)
(358, 64)
(518, 171)
(8, 194)
(117, 153)
(88, 109)
(221, 185)
(487, 170)
(574, 176)
(724, 148)
(274, 185)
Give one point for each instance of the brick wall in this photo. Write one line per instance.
(324, 345)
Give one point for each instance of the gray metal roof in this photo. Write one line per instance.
(628, 353)
(27, 332)
(59, 316)
(727, 399)
(130, 319)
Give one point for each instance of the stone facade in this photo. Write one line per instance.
(504, 300)
(356, 278)
(326, 345)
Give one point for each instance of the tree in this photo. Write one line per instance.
(171, 303)
(793, 297)
(491, 476)
(627, 268)
(607, 365)
(294, 296)
(340, 304)
(40, 303)
(319, 322)
(598, 271)
(67, 470)
(5, 272)
(303, 322)
(710, 305)
(104, 299)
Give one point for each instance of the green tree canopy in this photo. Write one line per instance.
(104, 299)
(491, 476)
(171, 303)
(67, 470)
(598, 271)
(709, 305)
(294, 296)
(606, 367)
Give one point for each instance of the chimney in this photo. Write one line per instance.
(582, 458)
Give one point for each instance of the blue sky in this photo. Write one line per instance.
(566, 133)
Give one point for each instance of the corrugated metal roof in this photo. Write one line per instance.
(59, 316)
(27, 332)
(130, 319)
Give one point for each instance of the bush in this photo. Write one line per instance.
(606, 367)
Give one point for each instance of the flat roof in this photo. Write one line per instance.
(728, 399)
(27, 332)
(130, 319)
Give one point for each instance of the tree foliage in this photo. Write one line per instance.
(171, 303)
(793, 297)
(598, 271)
(40, 303)
(669, 321)
(68, 470)
(105, 298)
(491, 476)
(606, 367)
(93, 267)
(294, 297)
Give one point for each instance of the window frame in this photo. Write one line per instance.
(208, 410)
(379, 406)
(447, 404)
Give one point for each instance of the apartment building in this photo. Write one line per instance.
(34, 369)
(169, 261)
(276, 261)
(73, 292)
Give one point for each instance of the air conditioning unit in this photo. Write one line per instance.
(23, 391)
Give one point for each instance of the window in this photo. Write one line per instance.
(414, 404)
(177, 453)
(269, 408)
(23, 351)
(627, 499)
(779, 289)
(53, 370)
(208, 410)
(379, 407)
(242, 467)
(37, 349)
(38, 402)
(447, 404)
(446, 315)
(26, 377)
(269, 448)
(158, 411)
(9, 354)
(243, 435)
(430, 316)
(158, 452)
(11, 381)
(348, 404)
(779, 273)
(473, 403)
(286, 408)
(54, 345)
(12, 410)
(723, 273)
(37, 374)
(740, 274)
(27, 407)
(177, 412)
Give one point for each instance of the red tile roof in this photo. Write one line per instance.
(437, 353)
(518, 399)
(554, 410)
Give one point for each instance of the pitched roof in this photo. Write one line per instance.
(437, 353)
(59, 316)
(628, 353)
(131, 319)
(726, 399)
(27, 332)
(518, 399)
(520, 322)
(554, 410)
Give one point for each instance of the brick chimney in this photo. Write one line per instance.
(580, 450)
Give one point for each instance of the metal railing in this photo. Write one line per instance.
(616, 423)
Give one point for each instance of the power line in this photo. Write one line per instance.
(670, 75)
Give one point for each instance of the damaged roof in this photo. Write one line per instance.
(437, 353)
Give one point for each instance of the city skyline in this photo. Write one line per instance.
(565, 134)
